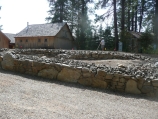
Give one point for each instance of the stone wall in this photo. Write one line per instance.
(80, 54)
(134, 79)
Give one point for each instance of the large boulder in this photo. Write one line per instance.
(97, 83)
(48, 73)
(69, 75)
(8, 61)
(131, 87)
(85, 81)
(147, 89)
(155, 82)
(140, 82)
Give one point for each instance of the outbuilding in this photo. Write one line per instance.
(47, 36)
(4, 41)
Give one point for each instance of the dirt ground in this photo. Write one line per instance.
(115, 62)
(28, 97)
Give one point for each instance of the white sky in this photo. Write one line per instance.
(16, 13)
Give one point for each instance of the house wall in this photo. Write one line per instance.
(4, 41)
(34, 42)
(64, 39)
(134, 45)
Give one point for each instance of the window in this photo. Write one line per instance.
(39, 40)
(45, 40)
(65, 34)
(26, 40)
(20, 40)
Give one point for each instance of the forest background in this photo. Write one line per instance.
(118, 19)
(125, 15)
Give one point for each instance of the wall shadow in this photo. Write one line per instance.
(76, 85)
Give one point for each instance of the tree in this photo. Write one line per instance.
(146, 40)
(109, 39)
(156, 22)
(82, 22)
(115, 26)
(58, 11)
(141, 14)
(75, 13)
(113, 4)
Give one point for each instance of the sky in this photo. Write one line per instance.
(16, 13)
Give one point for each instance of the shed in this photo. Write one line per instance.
(4, 40)
(134, 45)
(51, 35)
(12, 40)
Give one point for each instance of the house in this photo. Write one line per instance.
(134, 45)
(53, 36)
(4, 41)
(12, 40)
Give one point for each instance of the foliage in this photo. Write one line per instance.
(58, 11)
(109, 39)
(128, 15)
(146, 40)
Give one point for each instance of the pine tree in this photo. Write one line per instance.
(156, 23)
(113, 4)
(58, 11)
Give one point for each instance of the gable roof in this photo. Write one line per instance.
(50, 29)
(1, 33)
(136, 34)
(11, 37)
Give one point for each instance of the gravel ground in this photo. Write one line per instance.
(28, 97)
(115, 62)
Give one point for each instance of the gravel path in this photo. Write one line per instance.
(27, 97)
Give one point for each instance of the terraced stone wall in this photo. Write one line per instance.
(79, 54)
(134, 80)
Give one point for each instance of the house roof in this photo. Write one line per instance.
(136, 34)
(11, 37)
(50, 29)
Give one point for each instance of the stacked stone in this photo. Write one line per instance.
(132, 79)
(4, 49)
(81, 54)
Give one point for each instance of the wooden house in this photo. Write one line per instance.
(134, 45)
(12, 40)
(4, 41)
(53, 36)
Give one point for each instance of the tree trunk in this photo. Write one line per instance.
(141, 14)
(115, 25)
(82, 26)
(123, 15)
(129, 17)
(123, 23)
(61, 13)
(156, 22)
(136, 7)
(132, 18)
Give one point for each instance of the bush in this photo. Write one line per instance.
(145, 42)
